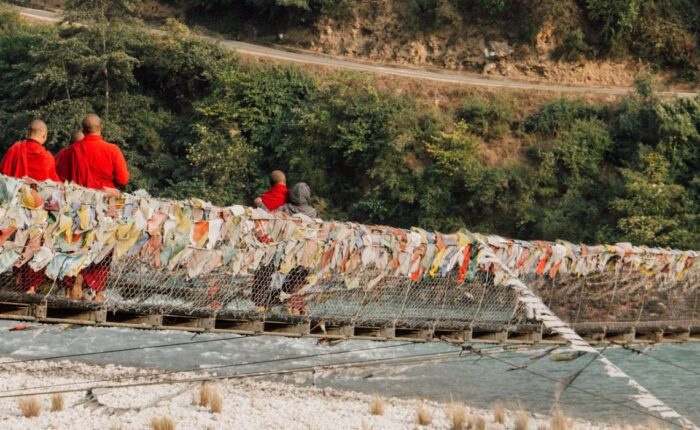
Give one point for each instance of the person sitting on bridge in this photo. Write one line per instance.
(299, 201)
(29, 159)
(276, 196)
(93, 163)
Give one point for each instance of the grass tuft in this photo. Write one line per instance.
(209, 397)
(162, 423)
(559, 421)
(478, 422)
(57, 402)
(521, 421)
(425, 418)
(457, 417)
(376, 406)
(653, 424)
(205, 393)
(29, 407)
(499, 414)
(216, 402)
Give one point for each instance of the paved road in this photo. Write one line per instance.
(324, 60)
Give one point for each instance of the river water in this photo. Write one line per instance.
(478, 382)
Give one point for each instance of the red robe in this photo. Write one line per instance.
(93, 163)
(60, 154)
(29, 158)
(275, 197)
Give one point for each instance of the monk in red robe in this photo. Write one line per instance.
(277, 195)
(29, 159)
(77, 136)
(93, 163)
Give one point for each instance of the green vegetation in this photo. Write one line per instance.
(193, 120)
(275, 12)
(665, 33)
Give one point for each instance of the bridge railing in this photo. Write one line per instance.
(135, 256)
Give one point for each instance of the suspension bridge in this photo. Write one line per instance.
(189, 265)
(80, 256)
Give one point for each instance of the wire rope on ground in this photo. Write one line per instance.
(662, 360)
(583, 390)
(345, 365)
(130, 349)
(314, 368)
(301, 369)
(495, 349)
(195, 369)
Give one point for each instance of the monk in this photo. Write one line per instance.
(29, 159)
(276, 196)
(93, 163)
(76, 136)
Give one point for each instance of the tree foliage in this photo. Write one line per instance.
(194, 121)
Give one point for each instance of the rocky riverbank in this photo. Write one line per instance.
(246, 404)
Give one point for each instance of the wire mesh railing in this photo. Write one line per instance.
(65, 244)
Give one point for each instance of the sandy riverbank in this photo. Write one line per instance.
(248, 404)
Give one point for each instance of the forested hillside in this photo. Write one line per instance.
(194, 120)
(566, 40)
(602, 42)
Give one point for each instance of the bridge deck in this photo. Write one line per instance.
(15, 306)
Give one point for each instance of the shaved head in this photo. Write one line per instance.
(38, 131)
(77, 136)
(92, 124)
(277, 177)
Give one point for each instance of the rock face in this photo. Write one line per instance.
(498, 50)
(377, 32)
(380, 34)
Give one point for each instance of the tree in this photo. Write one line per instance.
(616, 18)
(101, 16)
(654, 210)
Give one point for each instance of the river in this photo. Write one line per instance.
(473, 380)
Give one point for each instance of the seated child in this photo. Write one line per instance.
(276, 196)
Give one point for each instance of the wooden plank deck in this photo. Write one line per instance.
(15, 306)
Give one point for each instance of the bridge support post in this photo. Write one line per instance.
(626, 335)
(527, 335)
(19, 311)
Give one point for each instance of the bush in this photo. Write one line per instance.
(427, 15)
(581, 148)
(552, 117)
(663, 31)
(573, 47)
(616, 20)
(286, 12)
(662, 36)
(489, 118)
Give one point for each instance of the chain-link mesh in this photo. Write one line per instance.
(620, 296)
(132, 284)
